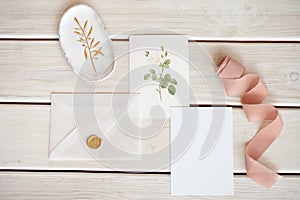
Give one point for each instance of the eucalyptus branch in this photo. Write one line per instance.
(164, 80)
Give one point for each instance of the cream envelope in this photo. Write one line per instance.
(112, 117)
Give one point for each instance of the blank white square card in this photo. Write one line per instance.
(201, 151)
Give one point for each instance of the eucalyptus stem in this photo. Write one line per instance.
(159, 92)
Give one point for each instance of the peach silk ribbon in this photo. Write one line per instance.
(253, 91)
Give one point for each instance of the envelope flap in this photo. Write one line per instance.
(112, 117)
(62, 120)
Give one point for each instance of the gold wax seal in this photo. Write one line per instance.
(94, 141)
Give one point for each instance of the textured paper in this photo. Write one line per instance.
(176, 47)
(190, 173)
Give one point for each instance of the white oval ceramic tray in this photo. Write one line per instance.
(86, 44)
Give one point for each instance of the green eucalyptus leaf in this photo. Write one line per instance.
(173, 81)
(166, 54)
(147, 53)
(162, 48)
(146, 76)
(167, 62)
(152, 71)
(165, 66)
(168, 77)
(164, 83)
(160, 80)
(154, 77)
(172, 89)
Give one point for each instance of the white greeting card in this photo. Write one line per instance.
(159, 71)
(201, 151)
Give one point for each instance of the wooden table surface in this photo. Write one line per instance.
(263, 35)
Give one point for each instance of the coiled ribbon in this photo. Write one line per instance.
(253, 91)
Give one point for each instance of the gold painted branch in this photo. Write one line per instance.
(91, 47)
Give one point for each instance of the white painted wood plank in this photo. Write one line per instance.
(212, 20)
(24, 133)
(31, 70)
(34, 185)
